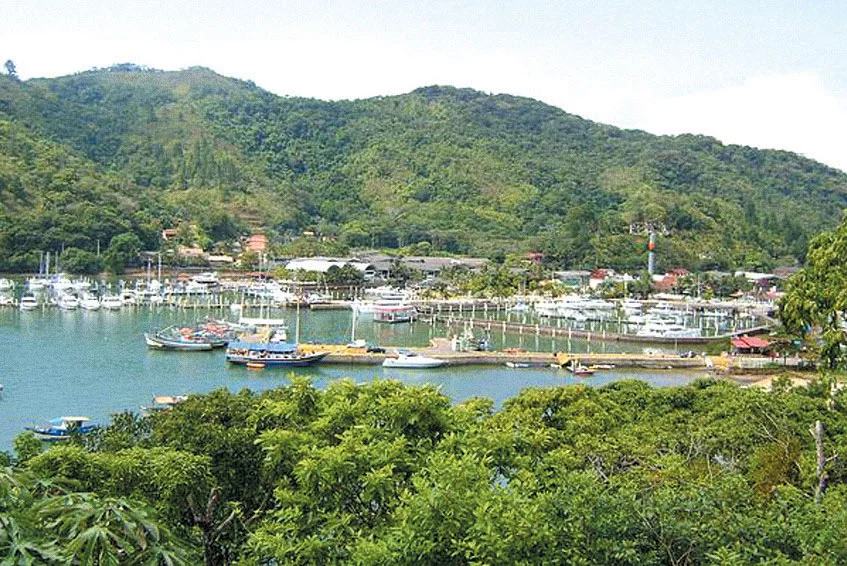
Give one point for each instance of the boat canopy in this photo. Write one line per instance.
(62, 420)
(275, 347)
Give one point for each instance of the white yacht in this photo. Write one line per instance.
(665, 329)
(81, 285)
(385, 296)
(112, 302)
(206, 278)
(29, 302)
(410, 360)
(68, 302)
(37, 283)
(196, 288)
(61, 284)
(6, 285)
(90, 303)
(631, 307)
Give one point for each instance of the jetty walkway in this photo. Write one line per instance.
(468, 317)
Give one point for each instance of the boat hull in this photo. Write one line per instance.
(393, 363)
(292, 361)
(51, 434)
(158, 343)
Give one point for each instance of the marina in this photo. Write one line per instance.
(99, 363)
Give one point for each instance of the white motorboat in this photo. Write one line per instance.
(260, 321)
(520, 306)
(61, 284)
(663, 329)
(29, 302)
(37, 283)
(410, 360)
(112, 302)
(631, 307)
(68, 303)
(90, 303)
(6, 301)
(207, 278)
(196, 288)
(393, 313)
(6, 285)
(81, 285)
(129, 297)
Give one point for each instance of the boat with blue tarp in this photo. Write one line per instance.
(270, 353)
(63, 428)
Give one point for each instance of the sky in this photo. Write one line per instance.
(771, 74)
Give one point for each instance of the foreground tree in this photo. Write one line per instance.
(816, 300)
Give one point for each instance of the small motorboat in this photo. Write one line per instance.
(29, 302)
(68, 302)
(411, 360)
(112, 302)
(63, 428)
(90, 303)
(517, 365)
(162, 403)
(579, 369)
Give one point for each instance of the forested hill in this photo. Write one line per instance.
(99, 153)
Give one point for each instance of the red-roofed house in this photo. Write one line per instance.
(257, 243)
(748, 345)
(668, 282)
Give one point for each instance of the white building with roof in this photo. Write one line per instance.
(324, 264)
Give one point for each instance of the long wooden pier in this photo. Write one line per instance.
(601, 336)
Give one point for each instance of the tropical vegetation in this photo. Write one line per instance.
(385, 473)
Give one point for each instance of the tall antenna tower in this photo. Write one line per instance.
(649, 228)
(651, 256)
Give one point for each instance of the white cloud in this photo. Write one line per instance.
(793, 111)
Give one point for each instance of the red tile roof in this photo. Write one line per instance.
(749, 342)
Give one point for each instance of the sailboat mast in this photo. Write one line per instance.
(297, 324)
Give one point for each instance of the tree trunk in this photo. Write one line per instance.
(817, 434)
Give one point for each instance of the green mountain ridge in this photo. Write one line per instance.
(465, 171)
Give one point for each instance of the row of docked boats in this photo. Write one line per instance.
(66, 302)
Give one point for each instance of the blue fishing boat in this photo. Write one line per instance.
(63, 428)
(270, 354)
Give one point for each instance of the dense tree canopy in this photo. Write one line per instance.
(128, 149)
(815, 304)
(384, 473)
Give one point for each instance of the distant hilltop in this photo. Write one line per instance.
(132, 150)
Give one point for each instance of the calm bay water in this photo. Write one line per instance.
(56, 363)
